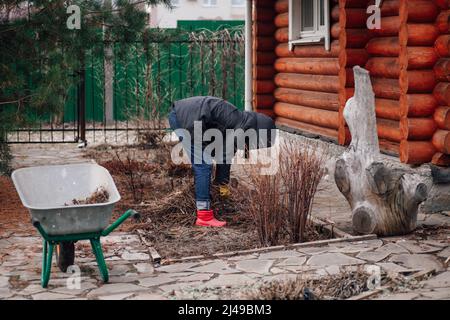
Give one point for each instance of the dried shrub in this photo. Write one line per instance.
(136, 173)
(152, 138)
(301, 169)
(341, 286)
(264, 207)
(263, 199)
(281, 203)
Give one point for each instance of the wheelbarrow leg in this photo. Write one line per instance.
(47, 255)
(97, 249)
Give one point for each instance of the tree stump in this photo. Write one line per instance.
(384, 197)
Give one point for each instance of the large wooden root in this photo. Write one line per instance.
(384, 197)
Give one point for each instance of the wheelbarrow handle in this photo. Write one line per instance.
(38, 226)
(118, 222)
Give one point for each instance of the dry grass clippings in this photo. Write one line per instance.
(340, 286)
(101, 195)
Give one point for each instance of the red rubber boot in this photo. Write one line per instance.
(205, 218)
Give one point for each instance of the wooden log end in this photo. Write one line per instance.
(364, 220)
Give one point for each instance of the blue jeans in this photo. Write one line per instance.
(202, 170)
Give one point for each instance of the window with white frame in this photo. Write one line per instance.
(175, 3)
(237, 3)
(309, 22)
(209, 3)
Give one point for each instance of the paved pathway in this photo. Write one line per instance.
(134, 277)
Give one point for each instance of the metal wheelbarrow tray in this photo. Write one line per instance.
(47, 192)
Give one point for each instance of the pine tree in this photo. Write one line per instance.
(39, 53)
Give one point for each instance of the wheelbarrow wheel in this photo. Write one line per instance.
(65, 254)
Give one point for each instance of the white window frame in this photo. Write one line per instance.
(238, 5)
(208, 4)
(320, 33)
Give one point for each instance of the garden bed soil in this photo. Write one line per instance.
(13, 215)
(167, 206)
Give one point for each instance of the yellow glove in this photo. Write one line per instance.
(224, 191)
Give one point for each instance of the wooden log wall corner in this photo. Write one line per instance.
(441, 138)
(263, 56)
(384, 199)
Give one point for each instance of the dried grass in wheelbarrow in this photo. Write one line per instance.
(101, 195)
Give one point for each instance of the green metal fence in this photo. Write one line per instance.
(148, 76)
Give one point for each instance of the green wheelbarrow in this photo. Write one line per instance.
(46, 191)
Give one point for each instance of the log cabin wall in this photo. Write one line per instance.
(408, 59)
(307, 80)
(441, 138)
(263, 56)
(417, 80)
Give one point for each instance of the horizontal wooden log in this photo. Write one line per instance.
(441, 141)
(417, 128)
(441, 159)
(317, 51)
(443, 4)
(282, 35)
(320, 100)
(416, 152)
(265, 44)
(442, 45)
(320, 66)
(442, 70)
(264, 4)
(356, 57)
(355, 3)
(418, 10)
(282, 6)
(308, 82)
(385, 46)
(390, 67)
(282, 20)
(420, 105)
(443, 21)
(264, 15)
(442, 117)
(318, 117)
(389, 130)
(421, 57)
(264, 101)
(355, 18)
(422, 34)
(267, 112)
(421, 81)
(307, 128)
(265, 58)
(442, 93)
(418, 57)
(387, 109)
(265, 29)
(386, 88)
(264, 72)
(383, 67)
(389, 147)
(356, 38)
(264, 86)
(419, 34)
